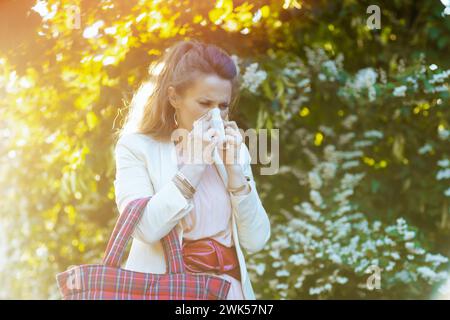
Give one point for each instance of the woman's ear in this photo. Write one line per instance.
(173, 96)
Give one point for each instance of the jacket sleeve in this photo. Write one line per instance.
(132, 181)
(253, 224)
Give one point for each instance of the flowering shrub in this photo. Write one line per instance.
(327, 245)
(330, 237)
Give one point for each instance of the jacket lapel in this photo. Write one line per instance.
(169, 167)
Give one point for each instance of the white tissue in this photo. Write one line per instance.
(217, 123)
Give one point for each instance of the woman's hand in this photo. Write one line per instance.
(230, 154)
(198, 144)
(230, 150)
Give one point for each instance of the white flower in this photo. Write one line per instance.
(331, 70)
(430, 275)
(443, 174)
(307, 209)
(260, 268)
(277, 264)
(443, 163)
(408, 235)
(350, 164)
(319, 290)
(330, 153)
(444, 290)
(440, 77)
(236, 61)
(390, 266)
(395, 255)
(328, 170)
(401, 225)
(410, 246)
(364, 263)
(399, 91)
(314, 180)
(435, 259)
(351, 180)
(303, 83)
(280, 243)
(291, 71)
(330, 66)
(314, 291)
(341, 280)
(298, 259)
(275, 254)
(253, 77)
(442, 88)
(426, 148)
(282, 273)
(342, 196)
(282, 286)
(349, 121)
(300, 224)
(351, 154)
(377, 225)
(443, 133)
(335, 258)
(365, 78)
(326, 130)
(373, 134)
(388, 241)
(316, 198)
(362, 143)
(345, 138)
(403, 276)
(315, 56)
(447, 192)
(342, 210)
(369, 245)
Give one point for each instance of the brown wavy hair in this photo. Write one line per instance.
(181, 63)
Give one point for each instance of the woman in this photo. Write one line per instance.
(204, 200)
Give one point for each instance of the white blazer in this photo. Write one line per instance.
(144, 167)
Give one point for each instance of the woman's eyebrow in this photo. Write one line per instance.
(209, 100)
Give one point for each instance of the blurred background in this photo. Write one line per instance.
(359, 90)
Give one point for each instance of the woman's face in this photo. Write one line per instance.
(207, 91)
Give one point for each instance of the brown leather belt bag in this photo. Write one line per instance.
(207, 254)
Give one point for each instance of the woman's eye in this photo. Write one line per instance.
(222, 107)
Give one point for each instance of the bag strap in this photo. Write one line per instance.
(124, 229)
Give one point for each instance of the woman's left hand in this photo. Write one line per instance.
(231, 157)
(233, 139)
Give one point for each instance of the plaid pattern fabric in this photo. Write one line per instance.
(107, 281)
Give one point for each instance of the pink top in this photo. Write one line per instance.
(211, 216)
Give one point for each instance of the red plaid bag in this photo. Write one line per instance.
(109, 281)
